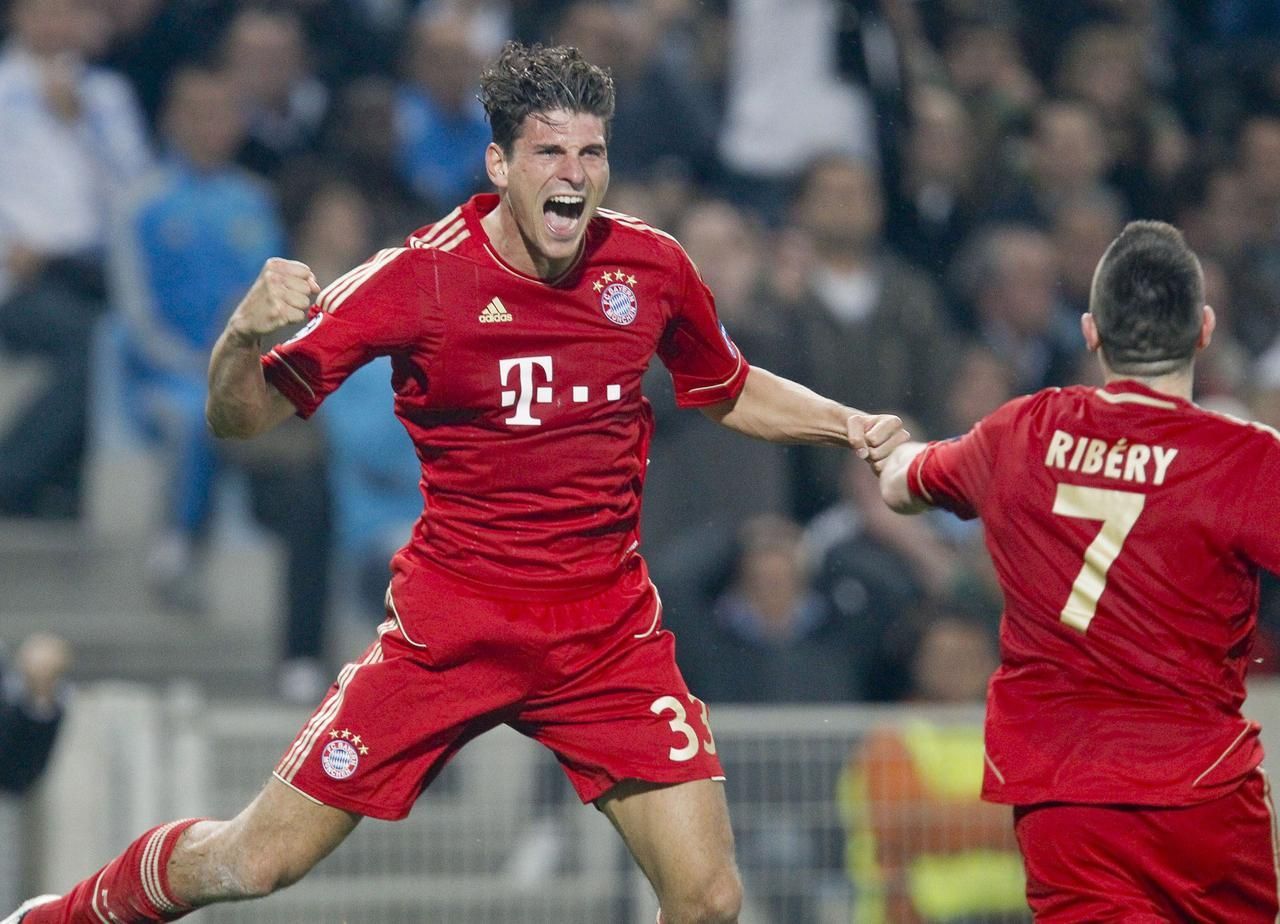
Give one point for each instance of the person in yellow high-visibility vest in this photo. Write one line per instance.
(922, 847)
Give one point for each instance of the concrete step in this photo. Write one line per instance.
(92, 590)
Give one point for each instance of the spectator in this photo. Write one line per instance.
(1103, 65)
(870, 583)
(373, 471)
(1009, 273)
(1066, 158)
(1259, 147)
(1224, 368)
(1083, 227)
(989, 71)
(360, 144)
(73, 138)
(266, 54)
(31, 698)
(931, 211)
(778, 119)
(868, 324)
(692, 512)
(654, 88)
(440, 125)
(922, 846)
(770, 637)
(191, 239)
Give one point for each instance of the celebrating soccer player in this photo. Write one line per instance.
(519, 327)
(1127, 527)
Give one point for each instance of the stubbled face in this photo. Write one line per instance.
(551, 184)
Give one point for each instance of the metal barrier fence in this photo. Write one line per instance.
(500, 838)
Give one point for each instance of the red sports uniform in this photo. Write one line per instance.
(1127, 528)
(520, 597)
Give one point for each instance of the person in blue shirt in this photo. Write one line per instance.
(191, 238)
(440, 125)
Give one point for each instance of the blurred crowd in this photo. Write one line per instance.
(897, 202)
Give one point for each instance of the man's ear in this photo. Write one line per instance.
(1089, 327)
(495, 164)
(1208, 323)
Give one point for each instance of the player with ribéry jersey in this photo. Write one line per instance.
(1127, 527)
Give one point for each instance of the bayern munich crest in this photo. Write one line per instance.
(617, 298)
(341, 755)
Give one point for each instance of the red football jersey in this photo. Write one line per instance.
(1127, 529)
(521, 395)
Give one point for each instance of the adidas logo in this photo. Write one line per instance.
(495, 312)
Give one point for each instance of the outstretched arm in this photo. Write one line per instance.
(241, 404)
(894, 487)
(772, 408)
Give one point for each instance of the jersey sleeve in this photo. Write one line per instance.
(1258, 539)
(374, 310)
(954, 474)
(705, 364)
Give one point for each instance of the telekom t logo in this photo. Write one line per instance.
(532, 386)
(525, 394)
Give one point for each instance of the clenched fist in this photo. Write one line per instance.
(874, 436)
(280, 296)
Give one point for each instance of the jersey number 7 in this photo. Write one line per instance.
(1118, 511)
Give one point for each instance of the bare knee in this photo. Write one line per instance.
(716, 899)
(258, 874)
(220, 861)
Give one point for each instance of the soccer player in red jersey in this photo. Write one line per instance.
(519, 327)
(1127, 527)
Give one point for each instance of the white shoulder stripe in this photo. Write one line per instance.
(454, 241)
(341, 288)
(433, 232)
(631, 221)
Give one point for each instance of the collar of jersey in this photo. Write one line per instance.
(481, 205)
(1133, 386)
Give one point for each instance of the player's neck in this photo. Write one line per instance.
(512, 246)
(1175, 384)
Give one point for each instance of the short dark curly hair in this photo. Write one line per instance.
(1147, 300)
(532, 79)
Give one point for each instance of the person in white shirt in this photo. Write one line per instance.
(73, 137)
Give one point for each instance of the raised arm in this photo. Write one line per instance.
(241, 404)
(894, 487)
(772, 408)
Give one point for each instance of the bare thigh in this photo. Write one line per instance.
(681, 838)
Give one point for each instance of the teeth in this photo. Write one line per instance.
(566, 200)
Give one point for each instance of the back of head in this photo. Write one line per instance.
(1147, 300)
(533, 79)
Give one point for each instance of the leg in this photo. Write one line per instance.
(43, 449)
(680, 836)
(162, 876)
(292, 501)
(271, 844)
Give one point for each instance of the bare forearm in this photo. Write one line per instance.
(894, 487)
(781, 411)
(239, 397)
(241, 403)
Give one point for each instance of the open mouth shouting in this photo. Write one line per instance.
(562, 215)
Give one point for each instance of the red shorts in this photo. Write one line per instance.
(1211, 862)
(594, 679)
